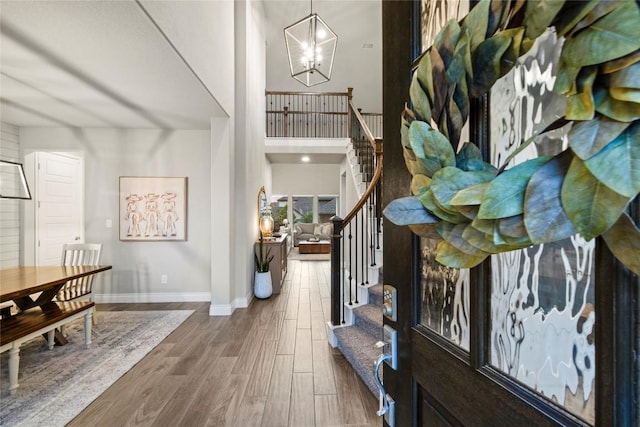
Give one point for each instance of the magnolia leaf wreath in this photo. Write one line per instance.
(477, 210)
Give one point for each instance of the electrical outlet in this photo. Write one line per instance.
(164, 279)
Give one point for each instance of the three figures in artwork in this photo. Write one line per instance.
(152, 216)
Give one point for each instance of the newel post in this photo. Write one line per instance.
(285, 121)
(336, 271)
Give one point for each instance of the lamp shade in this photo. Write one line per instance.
(266, 225)
(311, 47)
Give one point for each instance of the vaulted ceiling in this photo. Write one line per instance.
(108, 64)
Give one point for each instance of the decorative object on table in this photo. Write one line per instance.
(477, 210)
(262, 281)
(13, 184)
(153, 208)
(265, 220)
(311, 47)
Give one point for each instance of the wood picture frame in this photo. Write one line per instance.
(153, 208)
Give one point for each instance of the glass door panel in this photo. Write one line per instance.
(542, 297)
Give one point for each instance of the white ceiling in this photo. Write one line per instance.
(95, 64)
(106, 64)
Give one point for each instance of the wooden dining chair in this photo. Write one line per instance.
(79, 289)
(79, 254)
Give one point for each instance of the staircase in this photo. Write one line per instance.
(359, 334)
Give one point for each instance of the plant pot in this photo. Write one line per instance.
(262, 287)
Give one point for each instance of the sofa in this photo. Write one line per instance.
(304, 231)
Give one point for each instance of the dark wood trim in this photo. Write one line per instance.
(617, 305)
(518, 405)
(280, 92)
(397, 248)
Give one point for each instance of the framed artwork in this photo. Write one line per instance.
(153, 208)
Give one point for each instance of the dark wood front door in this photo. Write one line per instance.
(543, 336)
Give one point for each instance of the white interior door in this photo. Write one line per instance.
(59, 213)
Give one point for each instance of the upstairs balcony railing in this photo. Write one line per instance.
(313, 115)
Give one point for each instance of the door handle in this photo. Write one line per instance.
(390, 355)
(384, 403)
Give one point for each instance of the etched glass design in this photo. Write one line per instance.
(542, 301)
(445, 291)
(445, 297)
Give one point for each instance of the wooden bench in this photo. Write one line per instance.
(31, 323)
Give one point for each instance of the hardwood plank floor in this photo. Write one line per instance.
(265, 365)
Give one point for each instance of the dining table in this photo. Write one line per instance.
(34, 286)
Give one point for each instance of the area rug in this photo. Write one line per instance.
(57, 385)
(294, 253)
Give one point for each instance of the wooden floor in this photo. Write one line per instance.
(266, 365)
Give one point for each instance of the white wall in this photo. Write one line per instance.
(202, 31)
(305, 179)
(137, 266)
(249, 122)
(10, 208)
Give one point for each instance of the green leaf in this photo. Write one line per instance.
(591, 206)
(486, 64)
(615, 109)
(572, 13)
(415, 166)
(624, 85)
(544, 216)
(623, 239)
(618, 164)
(427, 231)
(430, 147)
(419, 184)
(446, 40)
(539, 15)
(469, 212)
(620, 63)
(454, 237)
(512, 226)
(610, 37)
(408, 210)
(471, 195)
(580, 106)
(505, 195)
(419, 99)
(476, 23)
(469, 158)
(450, 256)
(424, 74)
(450, 180)
(487, 226)
(429, 202)
(588, 138)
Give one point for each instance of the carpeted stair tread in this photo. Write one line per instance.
(375, 295)
(369, 318)
(359, 348)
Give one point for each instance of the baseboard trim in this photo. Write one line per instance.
(228, 309)
(153, 297)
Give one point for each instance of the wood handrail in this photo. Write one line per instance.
(363, 125)
(336, 113)
(283, 92)
(372, 185)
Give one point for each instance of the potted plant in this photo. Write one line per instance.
(262, 283)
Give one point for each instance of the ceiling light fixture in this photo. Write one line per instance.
(305, 159)
(311, 47)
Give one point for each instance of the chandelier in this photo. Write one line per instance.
(311, 47)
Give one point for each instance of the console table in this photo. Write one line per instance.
(278, 265)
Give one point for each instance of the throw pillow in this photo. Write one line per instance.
(297, 229)
(327, 229)
(317, 230)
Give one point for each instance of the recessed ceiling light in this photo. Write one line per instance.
(305, 159)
